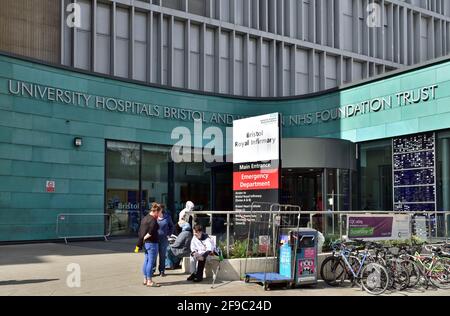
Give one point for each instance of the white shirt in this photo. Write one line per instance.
(201, 246)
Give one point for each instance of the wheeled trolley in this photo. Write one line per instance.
(270, 255)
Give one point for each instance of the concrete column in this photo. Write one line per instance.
(312, 21)
(217, 77)
(446, 174)
(170, 54)
(131, 44)
(357, 48)
(320, 19)
(160, 68)
(293, 79)
(311, 69)
(149, 46)
(245, 79)
(281, 82)
(187, 52)
(202, 56)
(232, 61)
(259, 66)
(113, 40)
(300, 21)
(273, 66)
(322, 70)
(94, 35)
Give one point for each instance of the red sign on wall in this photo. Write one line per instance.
(256, 180)
(50, 186)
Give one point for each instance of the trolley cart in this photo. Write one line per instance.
(268, 279)
(265, 236)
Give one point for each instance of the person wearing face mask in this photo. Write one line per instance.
(201, 247)
(183, 217)
(188, 208)
(165, 229)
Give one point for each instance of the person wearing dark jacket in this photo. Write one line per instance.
(165, 230)
(148, 240)
(180, 248)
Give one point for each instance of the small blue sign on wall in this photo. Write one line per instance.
(286, 260)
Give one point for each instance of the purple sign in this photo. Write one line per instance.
(370, 227)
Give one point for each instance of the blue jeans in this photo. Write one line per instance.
(151, 251)
(171, 259)
(163, 243)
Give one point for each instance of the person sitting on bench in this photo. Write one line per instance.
(180, 248)
(201, 247)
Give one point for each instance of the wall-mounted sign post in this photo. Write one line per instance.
(256, 160)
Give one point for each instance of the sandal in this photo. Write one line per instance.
(153, 284)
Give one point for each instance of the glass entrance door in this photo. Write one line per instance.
(303, 187)
(313, 192)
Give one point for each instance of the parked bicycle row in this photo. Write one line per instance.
(377, 268)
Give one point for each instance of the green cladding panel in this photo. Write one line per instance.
(36, 134)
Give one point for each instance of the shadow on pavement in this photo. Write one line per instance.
(21, 282)
(33, 252)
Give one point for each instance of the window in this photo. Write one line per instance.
(376, 176)
(197, 7)
(443, 165)
(140, 174)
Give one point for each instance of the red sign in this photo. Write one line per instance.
(50, 186)
(256, 180)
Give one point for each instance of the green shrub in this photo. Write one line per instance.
(238, 250)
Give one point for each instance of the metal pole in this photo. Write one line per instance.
(435, 224)
(446, 226)
(429, 227)
(340, 226)
(228, 235)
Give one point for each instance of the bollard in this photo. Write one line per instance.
(228, 235)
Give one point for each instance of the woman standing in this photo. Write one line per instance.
(148, 239)
(165, 229)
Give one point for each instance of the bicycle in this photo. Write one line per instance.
(373, 277)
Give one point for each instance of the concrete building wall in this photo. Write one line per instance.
(255, 47)
(37, 132)
(31, 28)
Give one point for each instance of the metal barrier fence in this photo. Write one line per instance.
(83, 225)
(231, 226)
(96, 225)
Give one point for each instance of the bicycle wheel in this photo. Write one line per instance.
(439, 274)
(415, 274)
(399, 274)
(355, 263)
(374, 279)
(333, 271)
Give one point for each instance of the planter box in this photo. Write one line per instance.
(233, 269)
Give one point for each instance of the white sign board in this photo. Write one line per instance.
(256, 139)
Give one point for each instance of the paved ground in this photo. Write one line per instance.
(111, 268)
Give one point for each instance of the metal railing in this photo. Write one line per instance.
(95, 225)
(83, 225)
(437, 222)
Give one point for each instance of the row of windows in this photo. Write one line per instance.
(159, 49)
(318, 21)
